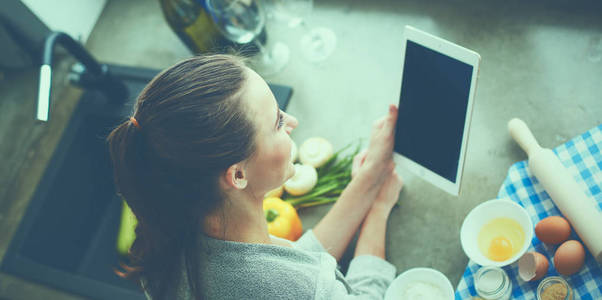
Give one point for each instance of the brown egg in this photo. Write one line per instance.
(553, 230)
(569, 257)
(532, 266)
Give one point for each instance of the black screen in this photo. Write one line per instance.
(432, 109)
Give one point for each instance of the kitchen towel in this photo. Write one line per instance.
(582, 156)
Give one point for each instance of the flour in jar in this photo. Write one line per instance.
(422, 290)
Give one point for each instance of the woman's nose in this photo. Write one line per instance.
(291, 123)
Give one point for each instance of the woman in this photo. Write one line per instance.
(205, 143)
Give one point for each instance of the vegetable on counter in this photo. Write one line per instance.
(315, 152)
(333, 177)
(277, 192)
(303, 181)
(127, 233)
(282, 218)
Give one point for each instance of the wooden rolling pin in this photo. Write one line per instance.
(581, 210)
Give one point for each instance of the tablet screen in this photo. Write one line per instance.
(432, 109)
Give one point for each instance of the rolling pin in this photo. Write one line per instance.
(581, 210)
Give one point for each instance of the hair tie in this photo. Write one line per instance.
(135, 122)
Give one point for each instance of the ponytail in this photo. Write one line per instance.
(160, 242)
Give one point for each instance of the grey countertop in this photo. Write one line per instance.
(541, 61)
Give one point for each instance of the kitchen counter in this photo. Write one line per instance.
(541, 62)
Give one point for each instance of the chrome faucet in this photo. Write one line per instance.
(102, 79)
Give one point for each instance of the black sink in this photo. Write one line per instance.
(67, 237)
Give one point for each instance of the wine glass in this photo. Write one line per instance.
(241, 21)
(317, 43)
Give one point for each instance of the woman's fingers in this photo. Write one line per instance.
(385, 126)
(358, 161)
(381, 141)
(391, 119)
(378, 123)
(380, 149)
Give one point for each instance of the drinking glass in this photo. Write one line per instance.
(241, 21)
(318, 43)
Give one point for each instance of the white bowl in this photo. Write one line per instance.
(424, 275)
(481, 215)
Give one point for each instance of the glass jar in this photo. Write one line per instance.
(492, 283)
(549, 281)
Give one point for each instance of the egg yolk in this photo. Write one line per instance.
(500, 249)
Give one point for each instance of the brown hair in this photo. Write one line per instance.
(192, 127)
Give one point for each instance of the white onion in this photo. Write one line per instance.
(303, 181)
(315, 152)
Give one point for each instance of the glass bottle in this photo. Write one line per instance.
(195, 28)
(241, 21)
(493, 283)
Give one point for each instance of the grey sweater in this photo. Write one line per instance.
(233, 270)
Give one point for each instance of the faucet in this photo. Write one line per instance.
(100, 76)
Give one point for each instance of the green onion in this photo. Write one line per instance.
(333, 177)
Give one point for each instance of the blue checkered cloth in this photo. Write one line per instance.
(582, 157)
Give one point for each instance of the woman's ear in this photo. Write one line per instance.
(235, 177)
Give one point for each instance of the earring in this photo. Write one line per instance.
(239, 180)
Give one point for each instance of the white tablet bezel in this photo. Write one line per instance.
(464, 55)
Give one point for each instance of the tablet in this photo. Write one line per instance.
(438, 84)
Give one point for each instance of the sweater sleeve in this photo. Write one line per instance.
(368, 278)
(370, 275)
(309, 242)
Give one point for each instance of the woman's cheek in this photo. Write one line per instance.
(286, 157)
(289, 149)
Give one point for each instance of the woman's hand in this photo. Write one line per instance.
(358, 161)
(377, 158)
(389, 191)
(388, 194)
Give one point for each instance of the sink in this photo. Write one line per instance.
(67, 237)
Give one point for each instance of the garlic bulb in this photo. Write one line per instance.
(303, 181)
(315, 152)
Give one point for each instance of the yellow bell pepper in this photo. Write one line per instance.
(277, 192)
(282, 218)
